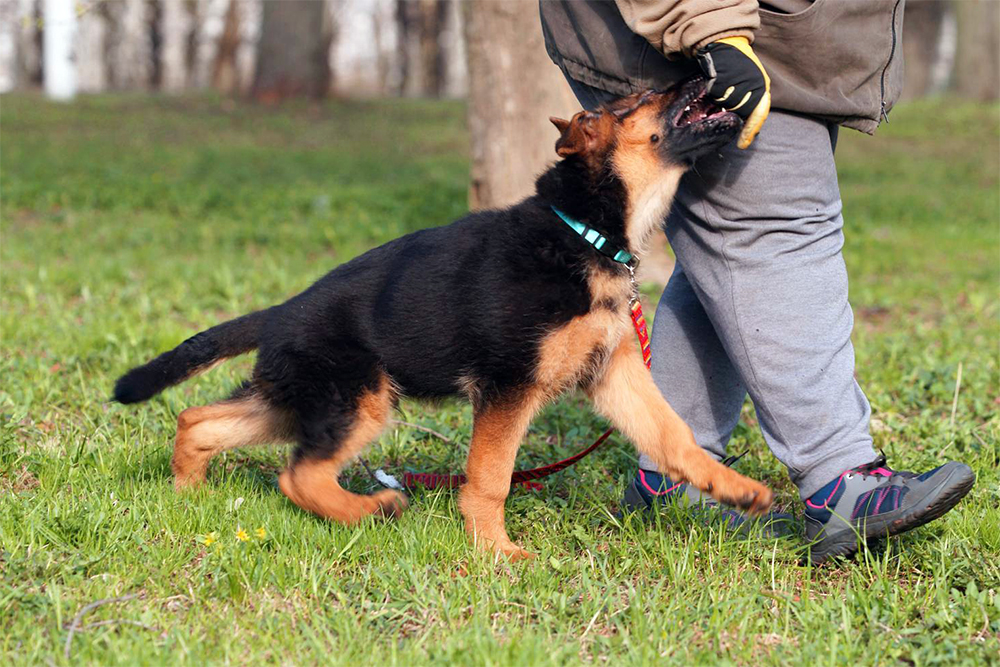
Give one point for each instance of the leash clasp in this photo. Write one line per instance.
(633, 264)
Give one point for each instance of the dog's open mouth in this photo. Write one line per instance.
(699, 110)
(698, 124)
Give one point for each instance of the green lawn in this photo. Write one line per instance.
(128, 223)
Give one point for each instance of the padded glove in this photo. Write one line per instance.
(738, 83)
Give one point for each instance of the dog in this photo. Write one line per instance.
(509, 308)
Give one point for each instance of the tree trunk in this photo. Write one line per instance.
(921, 36)
(8, 45)
(408, 42)
(456, 80)
(977, 70)
(175, 28)
(29, 43)
(513, 89)
(293, 51)
(91, 52)
(433, 14)
(224, 75)
(386, 55)
(128, 44)
(210, 20)
(422, 26)
(60, 39)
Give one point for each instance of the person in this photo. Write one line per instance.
(757, 303)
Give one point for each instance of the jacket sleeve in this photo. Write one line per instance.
(683, 26)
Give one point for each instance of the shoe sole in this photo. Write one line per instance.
(934, 505)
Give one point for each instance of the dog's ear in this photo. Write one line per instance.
(560, 123)
(587, 133)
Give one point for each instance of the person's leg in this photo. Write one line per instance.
(759, 233)
(761, 301)
(691, 368)
(693, 372)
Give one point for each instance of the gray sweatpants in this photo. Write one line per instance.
(757, 303)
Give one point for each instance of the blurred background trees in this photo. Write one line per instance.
(489, 51)
(267, 48)
(413, 48)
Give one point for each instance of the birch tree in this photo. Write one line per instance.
(8, 45)
(130, 51)
(175, 27)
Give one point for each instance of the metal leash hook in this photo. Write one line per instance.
(632, 265)
(381, 476)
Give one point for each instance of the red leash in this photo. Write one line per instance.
(526, 477)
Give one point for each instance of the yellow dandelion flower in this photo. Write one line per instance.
(241, 535)
(209, 539)
(260, 532)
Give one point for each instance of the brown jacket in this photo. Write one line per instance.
(838, 59)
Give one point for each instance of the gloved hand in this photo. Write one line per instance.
(738, 83)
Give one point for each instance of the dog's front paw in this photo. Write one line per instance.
(391, 504)
(734, 489)
(501, 546)
(509, 550)
(516, 553)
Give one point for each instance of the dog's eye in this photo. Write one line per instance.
(655, 139)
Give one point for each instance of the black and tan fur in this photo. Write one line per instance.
(508, 307)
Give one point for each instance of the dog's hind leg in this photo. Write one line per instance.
(496, 436)
(203, 432)
(330, 441)
(627, 395)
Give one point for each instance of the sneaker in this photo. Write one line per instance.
(874, 501)
(650, 489)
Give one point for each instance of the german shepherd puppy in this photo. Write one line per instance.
(509, 308)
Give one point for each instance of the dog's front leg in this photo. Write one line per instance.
(496, 436)
(627, 395)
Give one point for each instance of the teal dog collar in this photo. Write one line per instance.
(596, 239)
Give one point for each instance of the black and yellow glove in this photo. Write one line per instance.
(738, 83)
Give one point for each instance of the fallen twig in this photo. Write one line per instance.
(421, 428)
(75, 625)
(116, 621)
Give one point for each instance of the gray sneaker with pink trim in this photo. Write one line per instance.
(874, 501)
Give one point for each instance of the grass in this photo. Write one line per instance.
(131, 222)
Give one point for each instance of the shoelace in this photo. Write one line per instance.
(879, 467)
(876, 468)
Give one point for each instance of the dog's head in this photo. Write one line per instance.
(672, 127)
(648, 140)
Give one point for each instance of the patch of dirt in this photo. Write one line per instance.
(18, 481)
(875, 318)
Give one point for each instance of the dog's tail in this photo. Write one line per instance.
(195, 355)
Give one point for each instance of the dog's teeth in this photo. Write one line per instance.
(687, 108)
